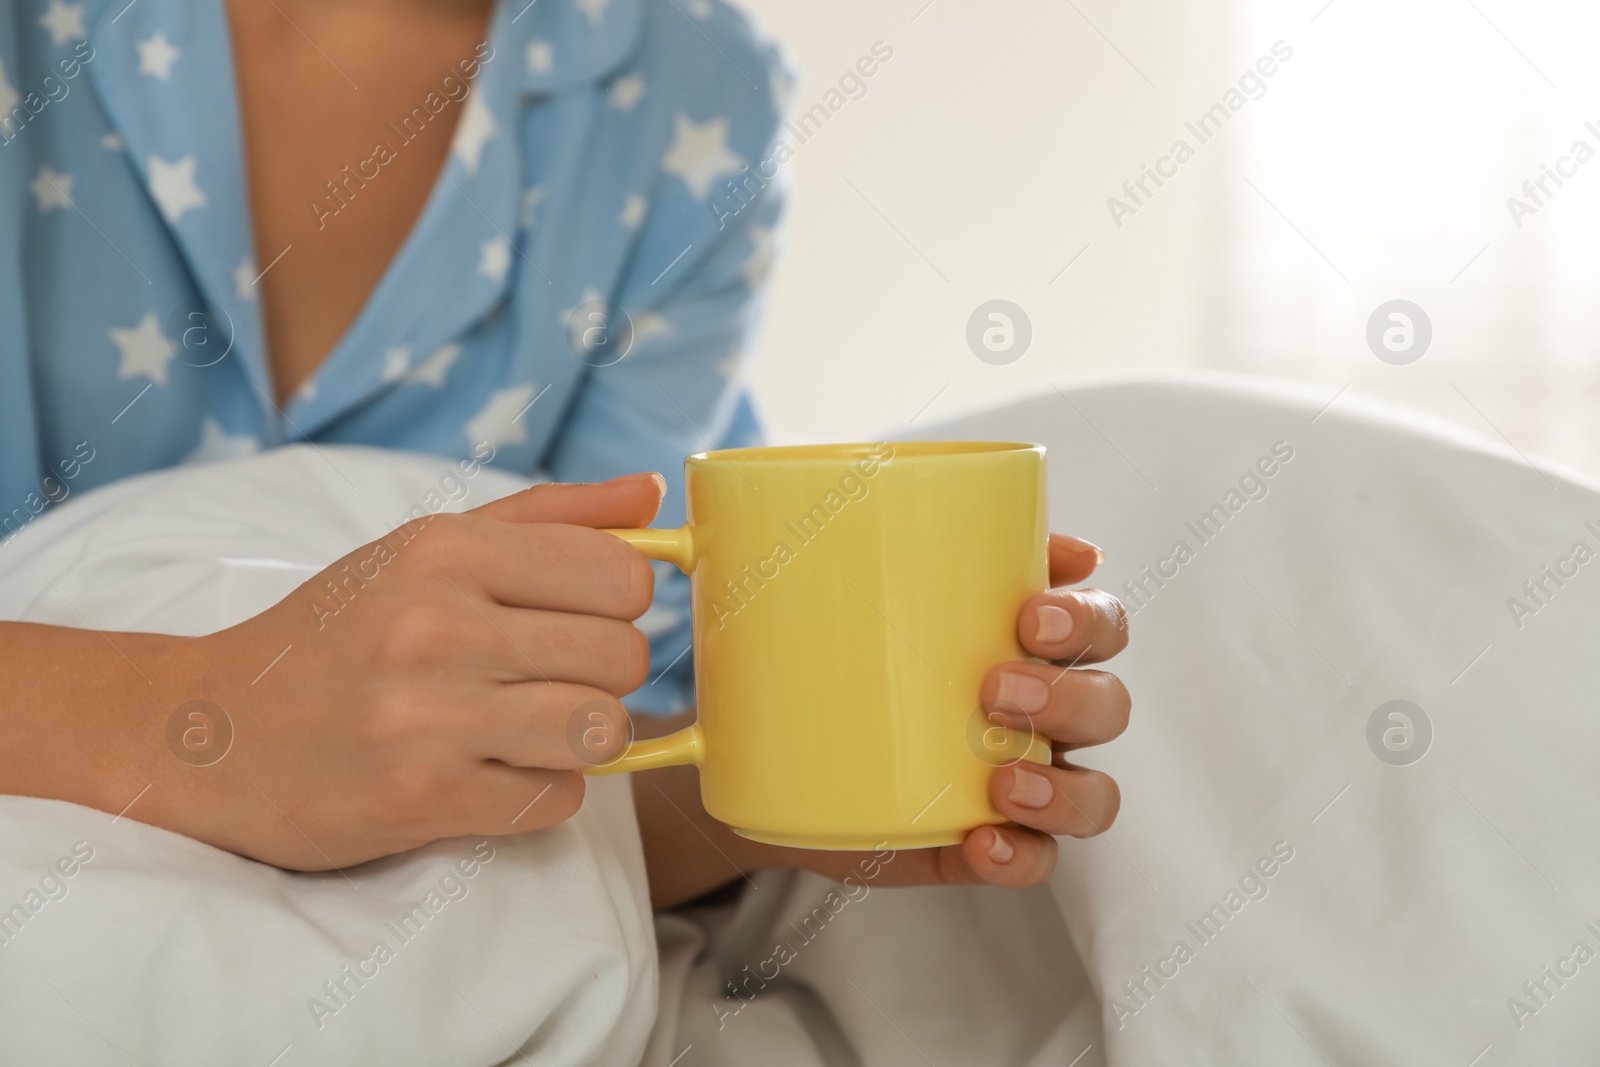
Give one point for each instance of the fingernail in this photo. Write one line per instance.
(1055, 623)
(1078, 544)
(1000, 850)
(1022, 692)
(661, 483)
(1029, 790)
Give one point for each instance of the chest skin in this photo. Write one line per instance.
(319, 83)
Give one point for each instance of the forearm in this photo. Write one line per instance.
(84, 719)
(687, 853)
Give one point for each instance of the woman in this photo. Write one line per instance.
(418, 224)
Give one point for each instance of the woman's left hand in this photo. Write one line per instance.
(1059, 701)
(1070, 707)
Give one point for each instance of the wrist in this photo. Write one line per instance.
(687, 852)
(164, 744)
(200, 782)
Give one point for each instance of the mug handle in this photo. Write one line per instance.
(687, 745)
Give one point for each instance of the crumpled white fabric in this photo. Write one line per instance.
(157, 949)
(1381, 564)
(1369, 911)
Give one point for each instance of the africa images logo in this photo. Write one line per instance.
(1252, 85)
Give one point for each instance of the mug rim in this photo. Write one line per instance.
(845, 452)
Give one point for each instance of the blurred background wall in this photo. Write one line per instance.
(1377, 161)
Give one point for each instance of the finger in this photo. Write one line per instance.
(513, 800)
(560, 568)
(522, 645)
(629, 501)
(1075, 708)
(1073, 625)
(1069, 801)
(549, 726)
(1009, 856)
(1072, 559)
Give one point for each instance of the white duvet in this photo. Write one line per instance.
(1287, 884)
(161, 950)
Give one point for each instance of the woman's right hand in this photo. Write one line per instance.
(451, 678)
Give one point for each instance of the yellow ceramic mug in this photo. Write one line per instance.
(848, 601)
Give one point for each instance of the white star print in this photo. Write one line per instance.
(216, 443)
(578, 327)
(396, 361)
(64, 21)
(633, 210)
(500, 420)
(699, 153)
(700, 9)
(657, 620)
(9, 98)
(51, 188)
(626, 92)
(540, 56)
(593, 10)
(760, 261)
(146, 350)
(477, 129)
(172, 184)
(530, 206)
(307, 391)
(111, 143)
(778, 85)
(435, 366)
(494, 259)
(648, 324)
(244, 280)
(156, 56)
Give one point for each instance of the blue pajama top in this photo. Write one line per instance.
(601, 195)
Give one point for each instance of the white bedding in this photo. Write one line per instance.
(1377, 566)
(161, 950)
(1416, 902)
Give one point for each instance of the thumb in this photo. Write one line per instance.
(629, 501)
